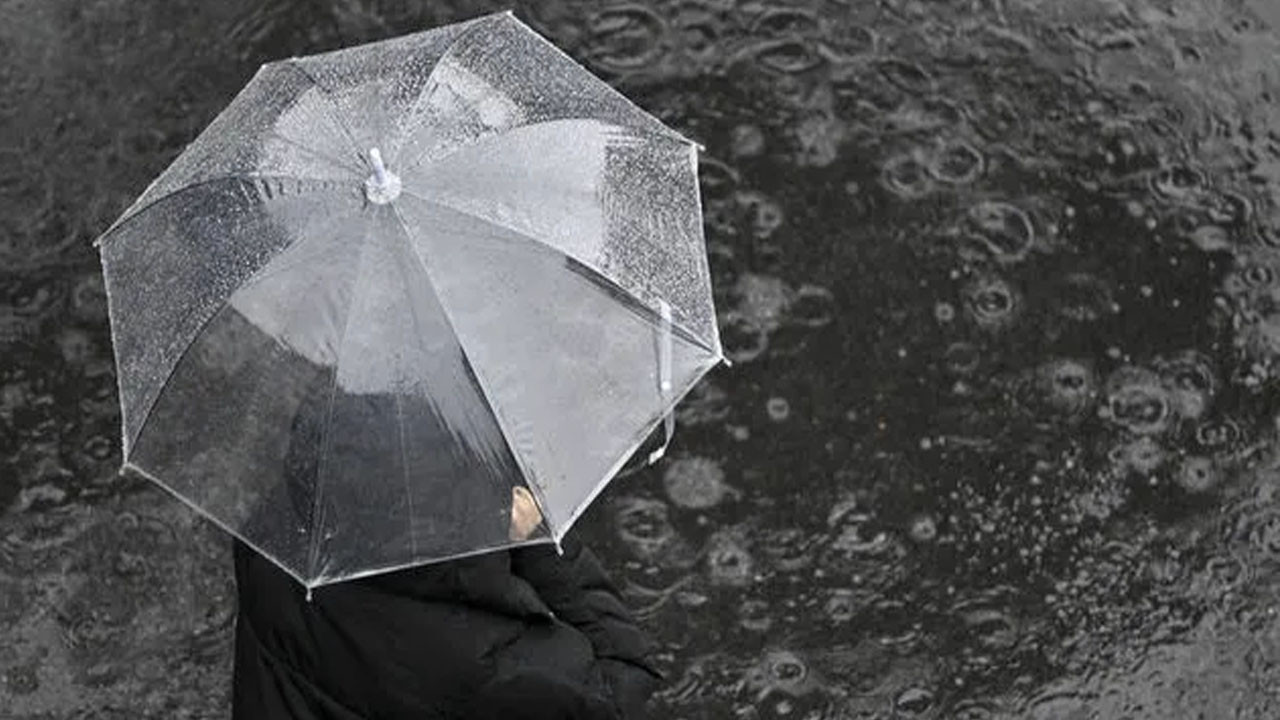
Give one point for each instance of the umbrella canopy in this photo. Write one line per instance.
(389, 284)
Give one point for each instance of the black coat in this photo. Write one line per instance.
(523, 633)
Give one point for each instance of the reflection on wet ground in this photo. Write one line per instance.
(1001, 278)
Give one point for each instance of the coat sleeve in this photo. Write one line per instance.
(578, 590)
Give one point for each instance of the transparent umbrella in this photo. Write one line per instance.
(389, 284)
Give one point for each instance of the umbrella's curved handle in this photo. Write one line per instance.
(664, 379)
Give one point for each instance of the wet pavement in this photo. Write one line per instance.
(1001, 279)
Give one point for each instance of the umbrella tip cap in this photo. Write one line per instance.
(382, 186)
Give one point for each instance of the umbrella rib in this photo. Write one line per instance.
(333, 160)
(333, 105)
(271, 270)
(258, 383)
(662, 131)
(671, 133)
(322, 185)
(628, 298)
(641, 134)
(636, 442)
(204, 324)
(520, 461)
(313, 545)
(431, 76)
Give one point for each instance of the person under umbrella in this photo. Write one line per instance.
(394, 296)
(521, 633)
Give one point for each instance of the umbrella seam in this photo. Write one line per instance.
(333, 109)
(129, 215)
(320, 582)
(213, 519)
(407, 248)
(644, 133)
(668, 407)
(332, 160)
(431, 76)
(525, 469)
(204, 324)
(173, 371)
(333, 105)
(703, 259)
(316, 506)
(596, 276)
(662, 132)
(329, 54)
(671, 132)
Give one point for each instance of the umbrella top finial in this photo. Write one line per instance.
(382, 186)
